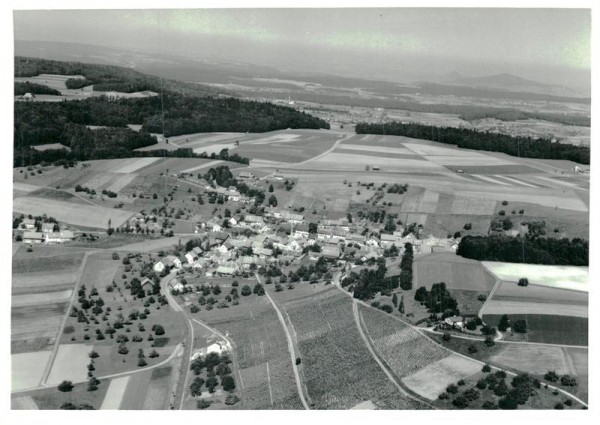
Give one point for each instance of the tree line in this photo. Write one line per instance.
(480, 140)
(550, 251)
(27, 87)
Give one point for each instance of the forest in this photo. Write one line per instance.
(549, 251)
(471, 139)
(33, 88)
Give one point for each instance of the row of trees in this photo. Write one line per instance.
(566, 252)
(406, 272)
(479, 140)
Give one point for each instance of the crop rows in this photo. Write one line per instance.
(338, 369)
(473, 206)
(404, 349)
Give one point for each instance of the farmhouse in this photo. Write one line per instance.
(245, 175)
(33, 237)
(59, 237)
(330, 252)
(227, 270)
(147, 284)
(48, 227)
(455, 322)
(387, 240)
(28, 223)
(168, 261)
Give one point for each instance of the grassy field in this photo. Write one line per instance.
(549, 328)
(510, 291)
(76, 214)
(458, 273)
(566, 277)
(52, 399)
(337, 367)
(27, 369)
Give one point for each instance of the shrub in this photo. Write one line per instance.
(472, 349)
(452, 389)
(559, 406)
(65, 386)
(486, 368)
(551, 376)
(568, 381)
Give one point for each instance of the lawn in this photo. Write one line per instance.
(565, 277)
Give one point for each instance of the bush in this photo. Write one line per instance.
(559, 406)
(203, 404)
(568, 381)
(231, 399)
(523, 281)
(486, 368)
(489, 341)
(520, 326)
(551, 376)
(446, 336)
(451, 389)
(65, 386)
(482, 384)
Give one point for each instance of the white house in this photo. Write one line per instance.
(169, 260)
(455, 322)
(59, 237)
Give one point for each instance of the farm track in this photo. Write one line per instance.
(489, 298)
(64, 320)
(380, 361)
(290, 349)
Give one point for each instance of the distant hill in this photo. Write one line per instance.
(500, 80)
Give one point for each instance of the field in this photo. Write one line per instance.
(495, 307)
(338, 370)
(457, 272)
(70, 364)
(565, 277)
(27, 369)
(548, 328)
(114, 393)
(86, 215)
(41, 287)
(510, 291)
(267, 380)
(433, 379)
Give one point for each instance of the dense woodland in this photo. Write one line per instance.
(38, 123)
(24, 88)
(472, 139)
(550, 251)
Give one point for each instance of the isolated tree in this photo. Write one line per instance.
(228, 383)
(246, 290)
(401, 305)
(65, 386)
(504, 323)
(523, 281)
(271, 188)
(520, 326)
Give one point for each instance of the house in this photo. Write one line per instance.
(222, 248)
(191, 257)
(455, 322)
(262, 252)
(330, 252)
(28, 96)
(387, 240)
(177, 286)
(372, 243)
(247, 262)
(219, 347)
(60, 237)
(254, 220)
(168, 261)
(48, 227)
(214, 226)
(233, 221)
(28, 223)
(226, 270)
(147, 285)
(245, 175)
(33, 237)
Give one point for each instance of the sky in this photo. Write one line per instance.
(548, 45)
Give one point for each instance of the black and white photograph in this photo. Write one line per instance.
(287, 208)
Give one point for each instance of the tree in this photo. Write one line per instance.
(196, 387)
(246, 290)
(271, 188)
(228, 383)
(401, 305)
(272, 201)
(551, 376)
(523, 281)
(258, 289)
(486, 368)
(504, 323)
(65, 386)
(520, 326)
(395, 300)
(568, 381)
(312, 228)
(158, 329)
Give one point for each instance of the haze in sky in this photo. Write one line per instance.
(547, 45)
